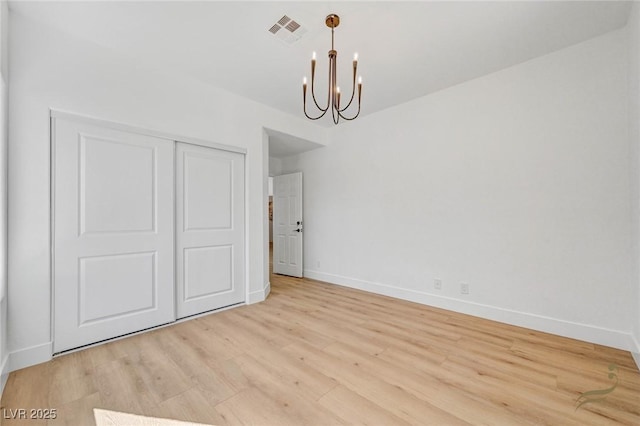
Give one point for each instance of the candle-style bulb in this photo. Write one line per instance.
(313, 56)
(360, 80)
(355, 56)
(304, 80)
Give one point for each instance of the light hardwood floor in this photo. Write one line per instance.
(319, 354)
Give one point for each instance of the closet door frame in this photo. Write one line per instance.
(79, 118)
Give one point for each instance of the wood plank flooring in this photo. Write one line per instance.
(319, 354)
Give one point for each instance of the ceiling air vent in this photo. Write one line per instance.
(292, 26)
(274, 29)
(283, 21)
(287, 30)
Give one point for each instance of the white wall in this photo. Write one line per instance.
(633, 28)
(53, 70)
(4, 118)
(275, 166)
(516, 183)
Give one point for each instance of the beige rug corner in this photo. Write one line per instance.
(115, 418)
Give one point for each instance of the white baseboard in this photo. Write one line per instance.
(585, 332)
(260, 295)
(636, 358)
(4, 374)
(30, 356)
(635, 352)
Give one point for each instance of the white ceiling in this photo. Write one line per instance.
(406, 49)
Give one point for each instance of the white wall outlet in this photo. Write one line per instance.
(464, 288)
(437, 284)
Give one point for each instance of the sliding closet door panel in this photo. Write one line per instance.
(209, 229)
(112, 233)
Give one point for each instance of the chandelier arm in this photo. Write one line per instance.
(313, 96)
(355, 116)
(313, 93)
(304, 109)
(314, 118)
(313, 80)
(352, 118)
(304, 106)
(353, 90)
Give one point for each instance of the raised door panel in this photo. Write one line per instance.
(208, 183)
(210, 224)
(207, 271)
(113, 233)
(105, 279)
(116, 186)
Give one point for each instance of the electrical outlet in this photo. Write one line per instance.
(464, 288)
(437, 284)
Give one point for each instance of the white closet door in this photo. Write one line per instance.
(209, 229)
(113, 233)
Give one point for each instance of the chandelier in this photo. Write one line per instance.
(333, 95)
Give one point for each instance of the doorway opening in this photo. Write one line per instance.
(280, 148)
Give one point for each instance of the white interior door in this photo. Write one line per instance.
(287, 223)
(210, 229)
(113, 233)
